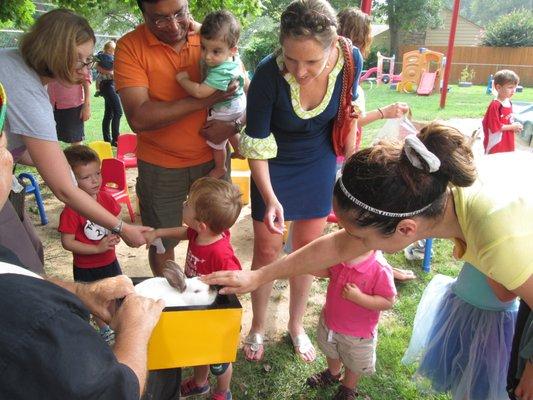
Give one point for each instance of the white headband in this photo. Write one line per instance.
(377, 211)
(414, 148)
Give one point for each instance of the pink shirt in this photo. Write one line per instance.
(374, 277)
(64, 96)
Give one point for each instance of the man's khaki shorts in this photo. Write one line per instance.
(162, 191)
(357, 354)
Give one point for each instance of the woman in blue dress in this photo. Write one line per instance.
(293, 100)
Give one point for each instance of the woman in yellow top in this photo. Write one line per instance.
(395, 193)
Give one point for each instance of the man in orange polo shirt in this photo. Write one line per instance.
(171, 152)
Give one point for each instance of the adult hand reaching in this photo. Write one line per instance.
(138, 313)
(395, 110)
(234, 282)
(99, 297)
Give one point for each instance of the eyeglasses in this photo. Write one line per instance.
(89, 64)
(178, 18)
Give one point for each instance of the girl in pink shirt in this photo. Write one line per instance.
(358, 291)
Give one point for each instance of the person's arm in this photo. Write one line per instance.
(273, 218)
(500, 291)
(525, 291)
(524, 390)
(179, 233)
(195, 89)
(70, 243)
(352, 293)
(394, 110)
(86, 108)
(321, 253)
(55, 171)
(515, 127)
(133, 325)
(144, 114)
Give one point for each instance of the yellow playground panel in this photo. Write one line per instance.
(418, 63)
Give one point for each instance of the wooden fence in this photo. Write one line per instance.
(487, 60)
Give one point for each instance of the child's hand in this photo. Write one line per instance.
(351, 292)
(107, 243)
(182, 75)
(149, 236)
(237, 154)
(517, 127)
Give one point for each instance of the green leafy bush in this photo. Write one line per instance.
(512, 30)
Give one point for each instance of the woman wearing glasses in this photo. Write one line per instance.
(292, 103)
(58, 47)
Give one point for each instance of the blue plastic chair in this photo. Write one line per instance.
(33, 187)
(426, 265)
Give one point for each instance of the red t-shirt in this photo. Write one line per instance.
(88, 232)
(204, 259)
(495, 140)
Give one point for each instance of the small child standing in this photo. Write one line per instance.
(212, 207)
(358, 291)
(462, 335)
(92, 246)
(219, 36)
(105, 60)
(498, 126)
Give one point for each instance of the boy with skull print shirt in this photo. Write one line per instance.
(92, 246)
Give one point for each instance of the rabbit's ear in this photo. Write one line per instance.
(174, 275)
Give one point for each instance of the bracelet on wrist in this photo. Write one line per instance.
(117, 229)
(381, 113)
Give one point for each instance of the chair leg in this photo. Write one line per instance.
(426, 265)
(37, 193)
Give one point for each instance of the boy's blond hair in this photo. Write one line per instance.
(216, 203)
(505, 76)
(50, 46)
(109, 44)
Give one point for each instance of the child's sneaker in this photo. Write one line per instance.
(345, 393)
(108, 335)
(189, 388)
(222, 395)
(415, 251)
(323, 379)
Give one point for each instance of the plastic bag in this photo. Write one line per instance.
(396, 128)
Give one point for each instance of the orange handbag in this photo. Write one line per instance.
(346, 120)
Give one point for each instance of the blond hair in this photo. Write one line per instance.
(216, 203)
(50, 46)
(355, 25)
(109, 44)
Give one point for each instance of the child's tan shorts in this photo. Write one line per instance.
(357, 354)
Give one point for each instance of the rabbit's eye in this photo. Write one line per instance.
(197, 291)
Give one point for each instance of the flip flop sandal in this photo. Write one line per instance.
(256, 342)
(302, 344)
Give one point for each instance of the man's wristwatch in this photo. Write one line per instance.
(117, 229)
(237, 124)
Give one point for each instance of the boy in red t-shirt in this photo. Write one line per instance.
(92, 246)
(498, 126)
(211, 208)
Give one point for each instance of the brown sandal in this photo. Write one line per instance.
(323, 379)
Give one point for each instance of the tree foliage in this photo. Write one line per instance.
(513, 30)
(16, 12)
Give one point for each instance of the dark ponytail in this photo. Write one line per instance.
(384, 178)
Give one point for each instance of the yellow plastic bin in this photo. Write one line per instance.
(242, 180)
(196, 335)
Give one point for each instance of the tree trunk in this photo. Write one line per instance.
(394, 28)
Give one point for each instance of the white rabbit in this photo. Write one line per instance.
(176, 290)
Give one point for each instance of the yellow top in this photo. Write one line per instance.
(496, 217)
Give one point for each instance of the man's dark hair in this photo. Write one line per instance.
(140, 3)
(221, 25)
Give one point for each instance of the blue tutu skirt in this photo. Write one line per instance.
(461, 349)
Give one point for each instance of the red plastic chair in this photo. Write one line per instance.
(114, 182)
(127, 149)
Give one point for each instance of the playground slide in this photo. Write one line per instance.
(427, 82)
(367, 74)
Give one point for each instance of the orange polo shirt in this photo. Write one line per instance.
(141, 60)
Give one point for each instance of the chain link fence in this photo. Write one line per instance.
(10, 38)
